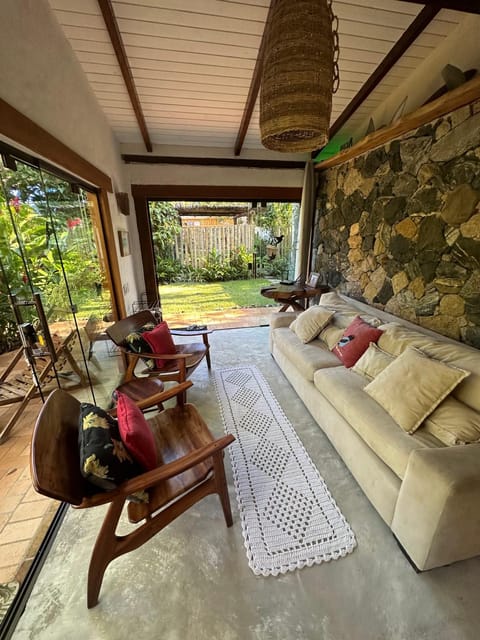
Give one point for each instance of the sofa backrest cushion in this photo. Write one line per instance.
(372, 362)
(454, 423)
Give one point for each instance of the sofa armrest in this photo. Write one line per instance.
(437, 514)
(282, 319)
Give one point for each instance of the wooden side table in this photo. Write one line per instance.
(293, 295)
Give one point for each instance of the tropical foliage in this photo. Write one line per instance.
(46, 239)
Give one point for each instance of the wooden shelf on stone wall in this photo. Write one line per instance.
(459, 97)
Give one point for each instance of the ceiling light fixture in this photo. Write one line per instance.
(300, 75)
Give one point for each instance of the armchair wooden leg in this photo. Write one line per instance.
(207, 355)
(222, 487)
(104, 551)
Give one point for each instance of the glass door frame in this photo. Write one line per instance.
(102, 231)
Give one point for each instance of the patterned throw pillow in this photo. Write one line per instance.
(136, 343)
(356, 338)
(104, 459)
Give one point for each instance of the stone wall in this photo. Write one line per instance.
(399, 227)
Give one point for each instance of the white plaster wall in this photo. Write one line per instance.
(213, 175)
(213, 152)
(216, 176)
(41, 78)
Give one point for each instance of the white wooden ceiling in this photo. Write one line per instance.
(192, 61)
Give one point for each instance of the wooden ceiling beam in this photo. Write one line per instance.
(130, 158)
(466, 6)
(117, 42)
(426, 15)
(409, 36)
(254, 87)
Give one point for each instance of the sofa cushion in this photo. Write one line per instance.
(412, 386)
(310, 322)
(331, 335)
(335, 328)
(396, 338)
(356, 338)
(344, 390)
(453, 423)
(372, 362)
(334, 302)
(307, 358)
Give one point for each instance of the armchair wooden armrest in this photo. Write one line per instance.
(175, 468)
(159, 398)
(151, 478)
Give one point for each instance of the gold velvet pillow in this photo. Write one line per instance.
(453, 422)
(309, 323)
(372, 362)
(412, 386)
(331, 335)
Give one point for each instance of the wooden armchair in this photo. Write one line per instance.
(190, 468)
(177, 367)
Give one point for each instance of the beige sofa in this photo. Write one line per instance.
(427, 493)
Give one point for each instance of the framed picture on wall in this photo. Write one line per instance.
(124, 241)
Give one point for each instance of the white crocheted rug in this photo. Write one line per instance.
(289, 519)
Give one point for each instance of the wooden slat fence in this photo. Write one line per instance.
(193, 244)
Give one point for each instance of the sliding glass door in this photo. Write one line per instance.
(55, 289)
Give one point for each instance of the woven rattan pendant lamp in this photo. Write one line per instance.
(300, 74)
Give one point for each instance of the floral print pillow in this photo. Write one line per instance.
(104, 460)
(135, 343)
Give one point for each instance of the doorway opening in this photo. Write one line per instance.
(213, 258)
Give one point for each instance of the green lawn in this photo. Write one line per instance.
(191, 297)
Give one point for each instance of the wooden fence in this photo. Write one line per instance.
(193, 244)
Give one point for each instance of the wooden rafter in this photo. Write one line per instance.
(254, 87)
(409, 36)
(119, 48)
(467, 6)
(129, 158)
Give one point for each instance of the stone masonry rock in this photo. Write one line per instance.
(430, 235)
(460, 139)
(406, 228)
(414, 152)
(460, 204)
(471, 229)
(452, 305)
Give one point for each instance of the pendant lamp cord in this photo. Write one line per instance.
(336, 49)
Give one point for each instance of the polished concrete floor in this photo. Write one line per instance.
(192, 580)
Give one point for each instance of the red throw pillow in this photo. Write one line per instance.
(355, 340)
(135, 432)
(160, 341)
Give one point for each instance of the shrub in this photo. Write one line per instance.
(276, 268)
